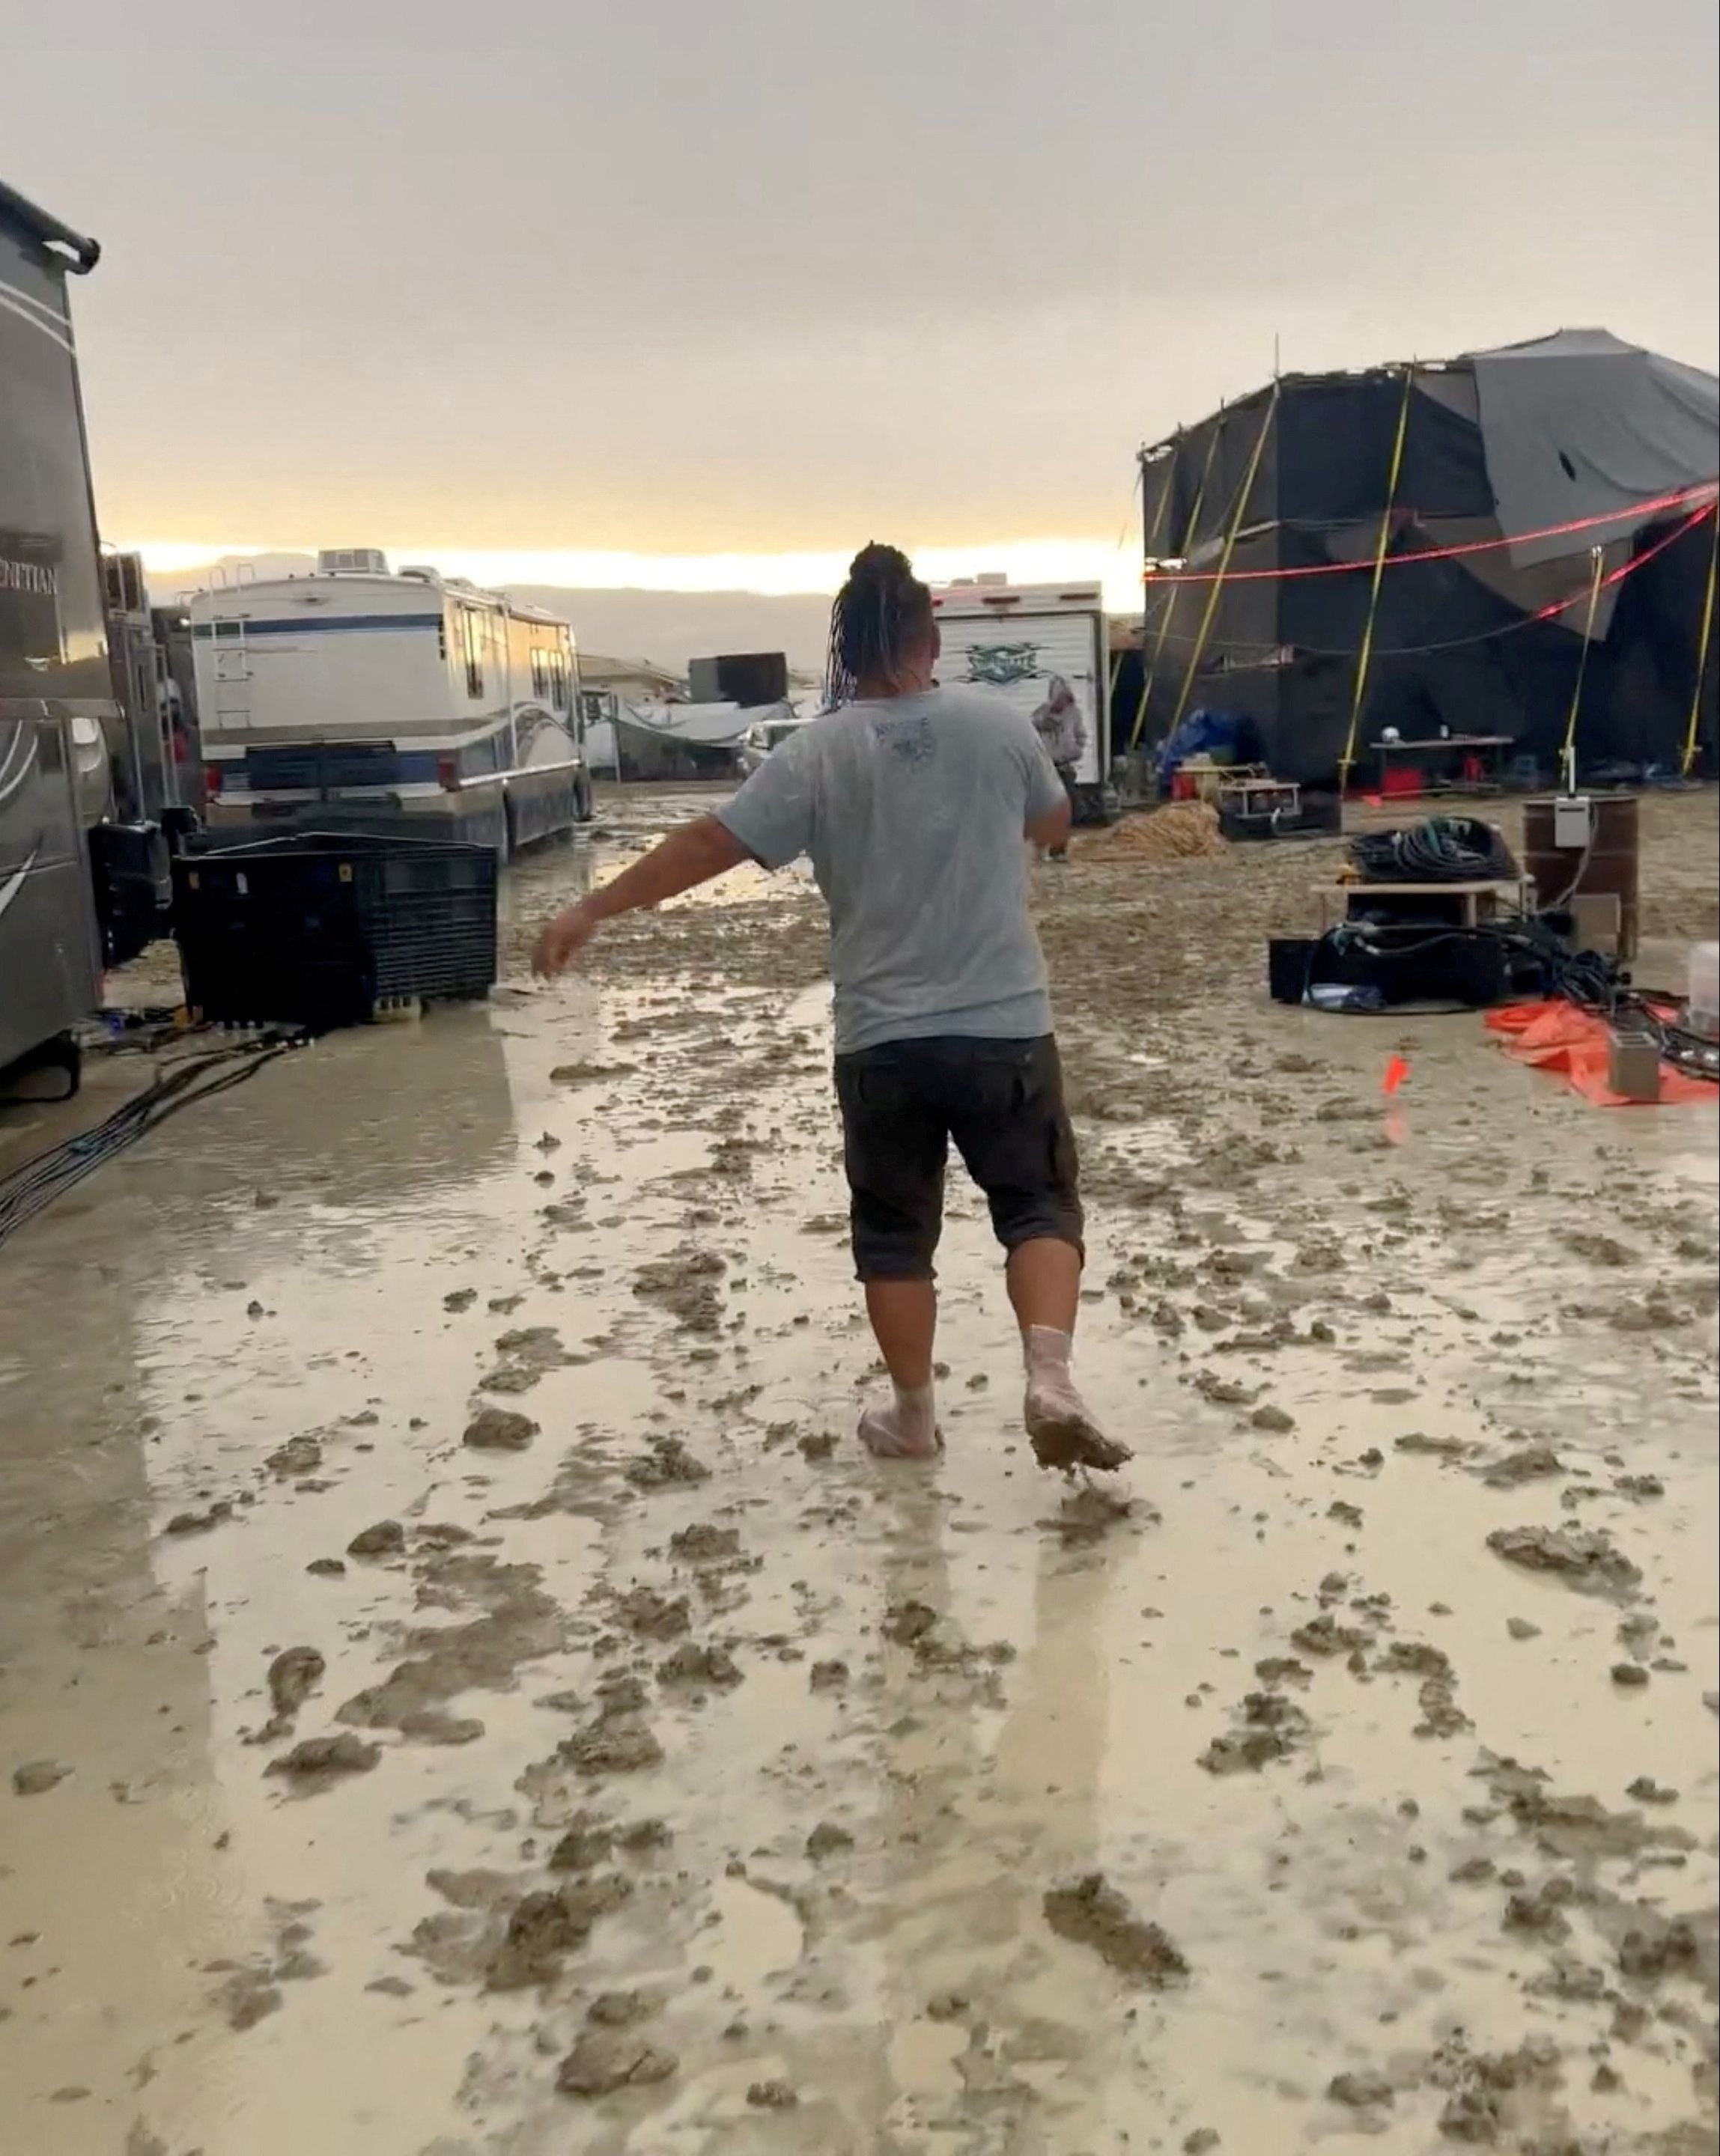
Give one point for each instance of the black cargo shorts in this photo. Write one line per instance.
(1002, 1102)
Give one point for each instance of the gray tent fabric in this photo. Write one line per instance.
(1577, 426)
(1581, 424)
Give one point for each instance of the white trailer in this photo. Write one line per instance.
(366, 700)
(1044, 647)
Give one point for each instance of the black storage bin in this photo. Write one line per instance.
(319, 929)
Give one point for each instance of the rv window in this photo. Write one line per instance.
(471, 641)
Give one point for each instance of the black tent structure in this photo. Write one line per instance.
(1490, 546)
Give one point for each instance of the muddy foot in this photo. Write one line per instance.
(1065, 1436)
(885, 1436)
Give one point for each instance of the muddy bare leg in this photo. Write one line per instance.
(1044, 1279)
(904, 1315)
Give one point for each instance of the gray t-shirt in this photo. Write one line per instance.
(912, 809)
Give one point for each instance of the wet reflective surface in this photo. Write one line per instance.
(681, 1696)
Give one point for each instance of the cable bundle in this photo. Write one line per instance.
(1443, 849)
(194, 1078)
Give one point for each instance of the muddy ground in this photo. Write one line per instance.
(463, 1692)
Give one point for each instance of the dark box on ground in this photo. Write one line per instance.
(319, 929)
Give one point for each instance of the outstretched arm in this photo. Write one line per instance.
(692, 855)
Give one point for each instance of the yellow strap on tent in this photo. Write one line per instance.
(1365, 655)
(1151, 673)
(1570, 724)
(1218, 582)
(1701, 649)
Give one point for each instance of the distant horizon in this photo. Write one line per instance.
(806, 573)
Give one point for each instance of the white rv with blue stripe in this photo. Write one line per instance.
(355, 697)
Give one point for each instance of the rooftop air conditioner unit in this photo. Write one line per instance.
(352, 562)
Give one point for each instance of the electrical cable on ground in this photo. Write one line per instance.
(189, 1080)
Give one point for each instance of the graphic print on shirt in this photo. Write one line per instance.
(910, 739)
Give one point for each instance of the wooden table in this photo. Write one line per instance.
(1469, 904)
(1487, 751)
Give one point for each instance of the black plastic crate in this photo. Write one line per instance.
(319, 928)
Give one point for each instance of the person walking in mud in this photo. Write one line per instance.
(914, 803)
(1058, 724)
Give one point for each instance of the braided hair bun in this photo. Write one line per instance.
(880, 610)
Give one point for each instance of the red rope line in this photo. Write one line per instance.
(1504, 629)
(1708, 492)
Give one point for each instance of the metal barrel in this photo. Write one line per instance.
(1610, 867)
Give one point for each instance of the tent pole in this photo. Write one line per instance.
(1365, 655)
(1218, 582)
(1701, 649)
(1566, 755)
(1149, 672)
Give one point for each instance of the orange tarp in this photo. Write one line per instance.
(1573, 1043)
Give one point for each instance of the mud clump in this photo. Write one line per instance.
(1585, 1557)
(907, 1623)
(1090, 1912)
(1532, 1463)
(1325, 1636)
(1479, 2085)
(772, 2096)
(587, 1073)
(703, 1544)
(428, 1726)
(605, 2060)
(827, 1676)
(293, 1675)
(828, 1840)
(299, 1456)
(324, 1759)
(615, 1744)
(653, 1616)
(683, 1284)
(198, 1523)
(1657, 1947)
(691, 1664)
(1432, 1448)
(526, 1353)
(586, 1844)
(1271, 1727)
(1362, 2092)
(667, 1466)
(37, 1777)
(621, 2009)
(1088, 1515)
(543, 1927)
(500, 1430)
(387, 1538)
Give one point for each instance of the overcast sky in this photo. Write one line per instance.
(745, 276)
